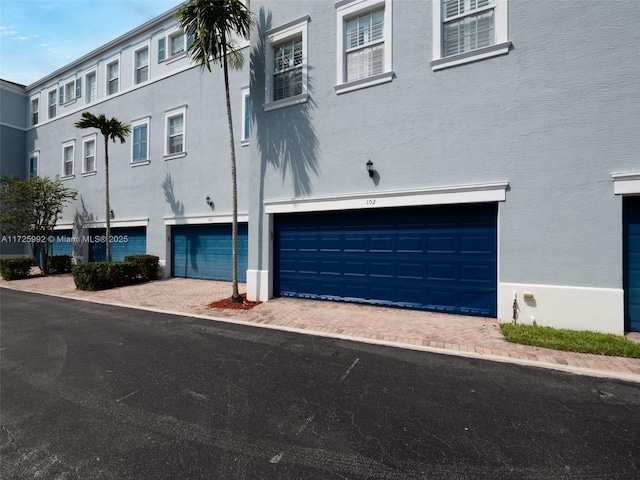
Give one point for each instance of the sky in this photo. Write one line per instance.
(37, 37)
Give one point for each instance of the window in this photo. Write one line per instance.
(140, 143)
(67, 159)
(176, 44)
(89, 155)
(69, 91)
(35, 106)
(52, 104)
(468, 30)
(112, 77)
(286, 73)
(175, 122)
(91, 93)
(33, 164)
(246, 119)
(287, 69)
(142, 65)
(364, 44)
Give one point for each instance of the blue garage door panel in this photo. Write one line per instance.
(440, 258)
(125, 241)
(631, 217)
(204, 251)
(62, 244)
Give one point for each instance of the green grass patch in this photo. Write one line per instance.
(571, 340)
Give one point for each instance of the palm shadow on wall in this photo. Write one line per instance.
(285, 137)
(81, 218)
(192, 244)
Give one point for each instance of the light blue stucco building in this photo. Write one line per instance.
(473, 157)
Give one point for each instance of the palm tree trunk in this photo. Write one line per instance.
(106, 194)
(235, 296)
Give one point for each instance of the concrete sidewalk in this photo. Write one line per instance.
(433, 332)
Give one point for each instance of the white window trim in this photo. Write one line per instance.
(275, 36)
(168, 114)
(350, 8)
(137, 123)
(244, 138)
(109, 62)
(87, 94)
(36, 154)
(65, 145)
(501, 35)
(90, 138)
(146, 45)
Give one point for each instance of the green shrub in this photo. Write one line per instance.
(60, 264)
(102, 276)
(149, 266)
(15, 268)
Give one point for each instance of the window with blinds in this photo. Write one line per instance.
(67, 167)
(364, 45)
(89, 156)
(142, 65)
(175, 134)
(287, 69)
(467, 25)
(113, 77)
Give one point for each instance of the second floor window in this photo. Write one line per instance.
(113, 77)
(140, 142)
(67, 161)
(142, 65)
(287, 69)
(176, 131)
(364, 45)
(468, 25)
(89, 156)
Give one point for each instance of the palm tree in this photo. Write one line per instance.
(211, 24)
(110, 129)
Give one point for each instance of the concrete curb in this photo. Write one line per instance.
(627, 377)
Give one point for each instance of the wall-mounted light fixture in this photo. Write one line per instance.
(208, 200)
(111, 214)
(370, 169)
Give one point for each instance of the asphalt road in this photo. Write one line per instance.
(98, 392)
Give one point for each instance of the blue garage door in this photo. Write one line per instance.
(204, 251)
(125, 241)
(631, 218)
(429, 258)
(62, 244)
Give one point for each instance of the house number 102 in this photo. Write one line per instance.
(371, 201)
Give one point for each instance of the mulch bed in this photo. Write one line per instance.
(226, 303)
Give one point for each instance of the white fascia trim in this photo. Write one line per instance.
(476, 193)
(205, 219)
(135, 222)
(64, 226)
(625, 183)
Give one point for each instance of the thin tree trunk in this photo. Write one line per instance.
(106, 190)
(235, 296)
